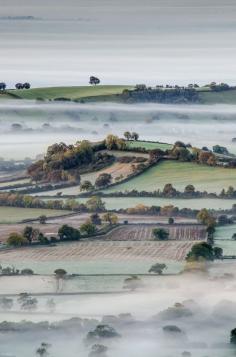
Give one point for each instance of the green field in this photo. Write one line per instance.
(149, 145)
(69, 92)
(197, 203)
(180, 174)
(224, 97)
(225, 232)
(15, 214)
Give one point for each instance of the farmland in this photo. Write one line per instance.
(16, 214)
(96, 250)
(195, 203)
(72, 93)
(180, 174)
(149, 145)
(144, 233)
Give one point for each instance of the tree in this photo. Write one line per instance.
(157, 268)
(27, 271)
(66, 232)
(60, 273)
(127, 135)
(102, 331)
(110, 217)
(98, 350)
(3, 86)
(86, 186)
(95, 204)
(26, 85)
(94, 80)
(95, 219)
(88, 228)
(169, 190)
(42, 219)
(189, 190)
(132, 283)
(171, 220)
(233, 336)
(160, 234)
(200, 251)
(103, 180)
(113, 142)
(218, 252)
(29, 303)
(28, 233)
(19, 86)
(42, 351)
(134, 136)
(16, 240)
(205, 217)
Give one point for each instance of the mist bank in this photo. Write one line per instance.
(32, 126)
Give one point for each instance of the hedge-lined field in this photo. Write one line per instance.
(126, 250)
(16, 214)
(180, 174)
(69, 92)
(149, 145)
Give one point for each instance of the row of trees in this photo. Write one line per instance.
(65, 232)
(25, 85)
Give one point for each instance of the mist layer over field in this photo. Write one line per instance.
(169, 315)
(128, 41)
(33, 126)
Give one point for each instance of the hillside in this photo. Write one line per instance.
(223, 97)
(72, 93)
(106, 93)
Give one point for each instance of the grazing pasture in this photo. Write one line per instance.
(16, 214)
(180, 174)
(70, 92)
(149, 145)
(113, 203)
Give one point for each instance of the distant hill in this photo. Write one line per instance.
(69, 93)
(109, 93)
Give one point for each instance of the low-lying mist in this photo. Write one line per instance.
(185, 315)
(33, 126)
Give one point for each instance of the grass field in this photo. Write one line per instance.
(225, 97)
(225, 232)
(15, 214)
(70, 92)
(180, 174)
(198, 203)
(107, 92)
(149, 145)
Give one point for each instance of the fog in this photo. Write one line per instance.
(202, 322)
(33, 126)
(128, 41)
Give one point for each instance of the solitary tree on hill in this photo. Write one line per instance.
(94, 80)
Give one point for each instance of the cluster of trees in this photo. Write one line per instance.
(25, 85)
(141, 93)
(131, 136)
(65, 162)
(11, 270)
(204, 251)
(65, 233)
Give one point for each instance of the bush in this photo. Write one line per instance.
(160, 234)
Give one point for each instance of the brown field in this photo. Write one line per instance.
(53, 224)
(115, 170)
(144, 232)
(94, 250)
